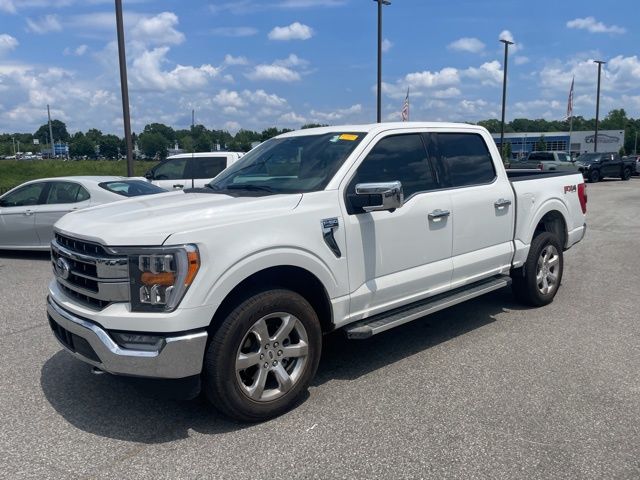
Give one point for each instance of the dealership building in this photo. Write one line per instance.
(581, 142)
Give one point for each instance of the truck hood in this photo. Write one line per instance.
(150, 220)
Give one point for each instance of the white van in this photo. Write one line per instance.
(190, 170)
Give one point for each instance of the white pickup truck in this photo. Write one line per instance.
(359, 228)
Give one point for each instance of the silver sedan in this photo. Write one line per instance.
(28, 212)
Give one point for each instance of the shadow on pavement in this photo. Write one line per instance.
(124, 409)
(25, 255)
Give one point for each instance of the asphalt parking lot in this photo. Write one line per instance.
(483, 390)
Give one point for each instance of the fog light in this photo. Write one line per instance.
(138, 341)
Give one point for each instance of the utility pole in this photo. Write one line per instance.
(124, 87)
(595, 141)
(504, 94)
(53, 151)
(379, 93)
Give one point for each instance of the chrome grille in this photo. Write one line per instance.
(88, 273)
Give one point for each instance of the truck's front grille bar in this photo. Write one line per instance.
(88, 273)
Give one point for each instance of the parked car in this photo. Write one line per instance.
(545, 161)
(28, 212)
(356, 228)
(191, 170)
(596, 166)
(636, 159)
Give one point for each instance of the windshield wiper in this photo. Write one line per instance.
(261, 188)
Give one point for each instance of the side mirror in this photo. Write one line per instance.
(149, 175)
(388, 195)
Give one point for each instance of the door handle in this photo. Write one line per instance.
(502, 203)
(438, 214)
(28, 213)
(178, 186)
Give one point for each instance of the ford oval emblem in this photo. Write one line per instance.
(63, 270)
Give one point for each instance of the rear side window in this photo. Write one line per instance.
(170, 170)
(399, 157)
(207, 167)
(464, 159)
(541, 157)
(66, 192)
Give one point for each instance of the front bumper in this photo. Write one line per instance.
(177, 356)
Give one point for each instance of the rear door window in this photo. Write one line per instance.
(207, 167)
(66, 192)
(171, 170)
(463, 158)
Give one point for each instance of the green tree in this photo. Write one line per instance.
(59, 129)
(81, 146)
(153, 145)
(541, 144)
(160, 128)
(94, 135)
(110, 146)
(506, 151)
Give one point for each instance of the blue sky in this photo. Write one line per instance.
(253, 64)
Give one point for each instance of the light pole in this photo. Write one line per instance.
(124, 87)
(504, 93)
(380, 4)
(595, 141)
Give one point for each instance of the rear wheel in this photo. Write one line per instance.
(594, 176)
(626, 174)
(263, 356)
(536, 284)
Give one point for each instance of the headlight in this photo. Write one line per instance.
(160, 276)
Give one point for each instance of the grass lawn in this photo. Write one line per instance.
(15, 172)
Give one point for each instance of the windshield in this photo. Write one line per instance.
(589, 157)
(131, 188)
(289, 165)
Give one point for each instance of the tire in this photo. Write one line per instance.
(537, 283)
(594, 176)
(626, 174)
(247, 374)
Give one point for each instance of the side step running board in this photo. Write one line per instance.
(388, 320)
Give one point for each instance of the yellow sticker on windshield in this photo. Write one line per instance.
(348, 136)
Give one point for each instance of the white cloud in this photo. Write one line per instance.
(521, 59)
(231, 60)
(277, 73)
(386, 45)
(7, 43)
(446, 76)
(226, 98)
(292, 61)
(591, 25)
(78, 51)
(450, 92)
(291, 118)
(7, 6)
(147, 73)
(234, 31)
(508, 36)
(467, 44)
(337, 114)
(158, 30)
(263, 98)
(46, 24)
(488, 74)
(295, 31)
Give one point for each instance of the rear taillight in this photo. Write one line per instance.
(582, 196)
(540, 167)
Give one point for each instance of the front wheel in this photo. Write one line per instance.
(594, 176)
(537, 283)
(626, 174)
(263, 356)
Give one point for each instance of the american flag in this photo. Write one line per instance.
(405, 108)
(570, 102)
